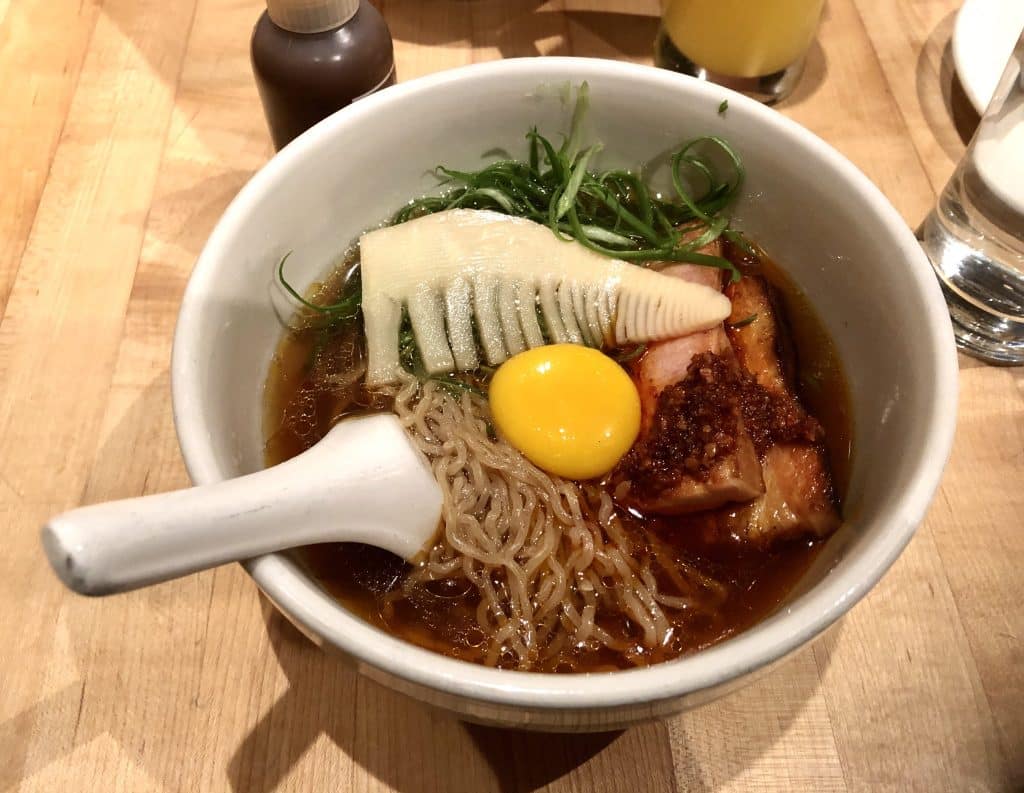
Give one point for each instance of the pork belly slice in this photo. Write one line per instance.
(665, 363)
(754, 334)
(694, 453)
(799, 498)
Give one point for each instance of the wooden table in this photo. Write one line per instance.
(125, 129)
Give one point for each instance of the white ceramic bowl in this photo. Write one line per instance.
(809, 207)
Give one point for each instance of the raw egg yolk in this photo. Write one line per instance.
(570, 409)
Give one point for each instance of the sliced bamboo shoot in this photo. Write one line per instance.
(508, 309)
(527, 297)
(459, 316)
(455, 267)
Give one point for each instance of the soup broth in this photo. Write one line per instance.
(316, 379)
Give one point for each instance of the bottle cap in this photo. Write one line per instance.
(311, 16)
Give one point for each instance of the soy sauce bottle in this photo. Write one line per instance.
(313, 57)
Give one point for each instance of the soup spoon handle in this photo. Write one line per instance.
(363, 482)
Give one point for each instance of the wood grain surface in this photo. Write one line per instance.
(126, 126)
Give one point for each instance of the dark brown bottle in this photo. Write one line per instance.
(313, 57)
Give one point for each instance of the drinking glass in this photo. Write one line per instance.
(754, 46)
(975, 234)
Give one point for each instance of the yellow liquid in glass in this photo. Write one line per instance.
(742, 38)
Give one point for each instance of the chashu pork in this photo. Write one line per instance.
(799, 498)
(694, 453)
(722, 430)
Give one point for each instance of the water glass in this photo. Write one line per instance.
(754, 46)
(975, 234)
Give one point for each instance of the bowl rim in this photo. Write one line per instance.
(769, 640)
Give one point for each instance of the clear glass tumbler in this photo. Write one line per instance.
(754, 46)
(975, 235)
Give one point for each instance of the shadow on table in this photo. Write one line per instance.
(205, 69)
(948, 104)
(814, 75)
(413, 748)
(81, 709)
(514, 27)
(519, 28)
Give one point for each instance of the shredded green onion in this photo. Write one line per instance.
(737, 239)
(613, 213)
(743, 322)
(346, 308)
(629, 355)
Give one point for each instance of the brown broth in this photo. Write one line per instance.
(821, 383)
(364, 579)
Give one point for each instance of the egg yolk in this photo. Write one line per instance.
(570, 409)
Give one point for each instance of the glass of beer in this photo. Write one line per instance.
(754, 46)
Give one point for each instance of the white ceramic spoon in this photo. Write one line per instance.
(363, 482)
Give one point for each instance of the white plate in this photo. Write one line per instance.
(983, 39)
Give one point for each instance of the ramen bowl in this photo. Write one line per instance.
(812, 210)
